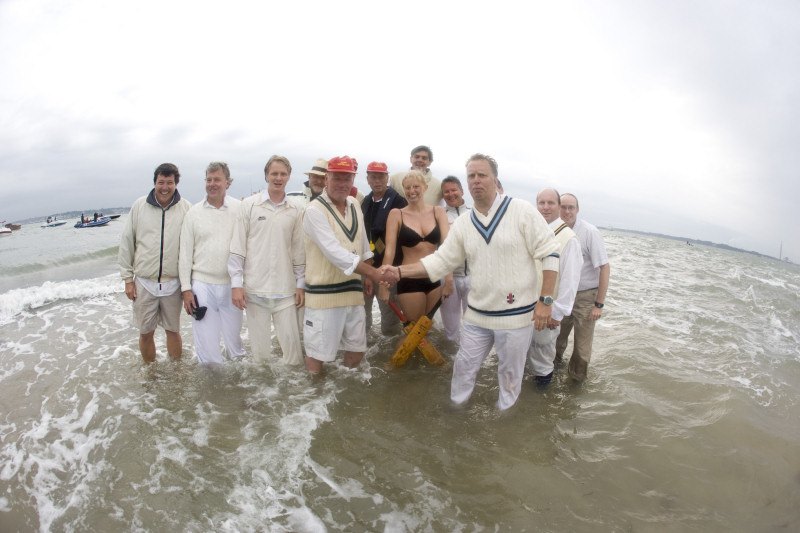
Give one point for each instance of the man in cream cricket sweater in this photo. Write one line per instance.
(203, 269)
(148, 261)
(543, 348)
(421, 159)
(267, 264)
(337, 251)
(501, 239)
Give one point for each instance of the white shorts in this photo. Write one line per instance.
(326, 331)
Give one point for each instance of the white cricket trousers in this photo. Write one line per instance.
(454, 306)
(261, 313)
(511, 346)
(543, 350)
(222, 319)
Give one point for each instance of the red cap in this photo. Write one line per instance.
(342, 164)
(377, 167)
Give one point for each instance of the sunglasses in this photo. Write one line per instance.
(198, 311)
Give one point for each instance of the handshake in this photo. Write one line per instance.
(387, 275)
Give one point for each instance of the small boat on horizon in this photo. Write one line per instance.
(89, 223)
(52, 222)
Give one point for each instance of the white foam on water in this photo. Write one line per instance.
(15, 301)
(173, 446)
(60, 459)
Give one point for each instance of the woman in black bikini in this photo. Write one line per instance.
(419, 229)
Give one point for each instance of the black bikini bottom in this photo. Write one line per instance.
(407, 285)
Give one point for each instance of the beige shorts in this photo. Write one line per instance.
(326, 331)
(150, 311)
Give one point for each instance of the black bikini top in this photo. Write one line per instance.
(410, 238)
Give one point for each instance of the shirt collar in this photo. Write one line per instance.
(224, 203)
(265, 198)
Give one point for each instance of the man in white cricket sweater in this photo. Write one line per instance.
(592, 288)
(502, 239)
(337, 255)
(203, 269)
(148, 261)
(542, 352)
(454, 306)
(267, 265)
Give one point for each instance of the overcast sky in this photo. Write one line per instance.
(677, 117)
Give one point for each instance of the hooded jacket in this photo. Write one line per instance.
(150, 241)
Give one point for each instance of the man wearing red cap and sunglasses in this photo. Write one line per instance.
(337, 251)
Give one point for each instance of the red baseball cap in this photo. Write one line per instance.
(342, 164)
(377, 167)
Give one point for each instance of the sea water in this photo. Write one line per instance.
(689, 419)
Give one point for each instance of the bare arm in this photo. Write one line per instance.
(392, 229)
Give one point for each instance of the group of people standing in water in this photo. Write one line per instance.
(314, 261)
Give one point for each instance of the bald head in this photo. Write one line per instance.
(548, 202)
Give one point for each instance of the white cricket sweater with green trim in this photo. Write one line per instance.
(502, 249)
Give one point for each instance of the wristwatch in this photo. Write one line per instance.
(599, 305)
(546, 300)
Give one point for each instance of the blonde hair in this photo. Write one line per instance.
(415, 175)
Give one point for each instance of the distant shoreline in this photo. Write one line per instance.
(123, 210)
(76, 214)
(696, 241)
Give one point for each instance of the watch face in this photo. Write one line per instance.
(546, 300)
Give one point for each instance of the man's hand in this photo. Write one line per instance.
(239, 298)
(130, 290)
(595, 313)
(388, 275)
(299, 298)
(553, 324)
(541, 316)
(188, 301)
(368, 287)
(448, 288)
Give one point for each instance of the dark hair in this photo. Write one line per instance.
(167, 170)
(487, 158)
(278, 159)
(453, 179)
(422, 148)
